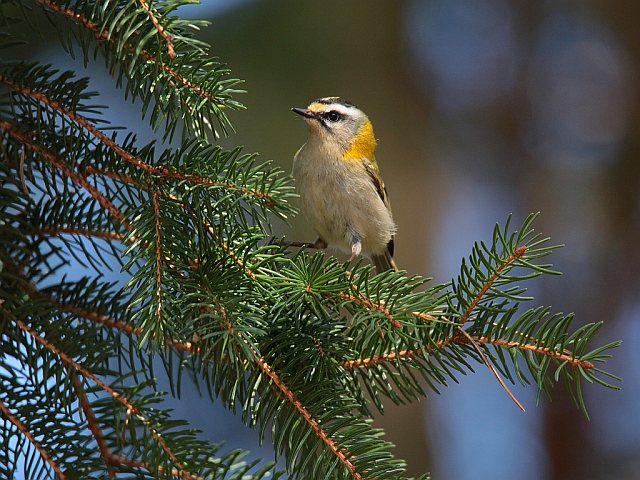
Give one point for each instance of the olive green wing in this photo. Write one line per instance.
(382, 262)
(374, 175)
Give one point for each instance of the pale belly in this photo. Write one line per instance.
(344, 207)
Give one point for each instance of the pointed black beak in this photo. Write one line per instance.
(304, 112)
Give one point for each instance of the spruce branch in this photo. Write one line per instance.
(126, 52)
(27, 139)
(160, 171)
(161, 31)
(183, 473)
(517, 253)
(14, 420)
(260, 362)
(55, 231)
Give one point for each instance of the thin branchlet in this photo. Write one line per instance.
(27, 139)
(67, 360)
(154, 170)
(161, 30)
(16, 422)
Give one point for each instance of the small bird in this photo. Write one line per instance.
(339, 183)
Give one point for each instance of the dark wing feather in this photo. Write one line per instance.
(384, 262)
(372, 171)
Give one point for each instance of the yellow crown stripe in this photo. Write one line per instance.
(317, 107)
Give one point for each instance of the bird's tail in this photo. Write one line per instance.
(384, 262)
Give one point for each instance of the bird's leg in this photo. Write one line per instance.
(319, 244)
(356, 248)
(355, 240)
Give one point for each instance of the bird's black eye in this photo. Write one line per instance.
(333, 116)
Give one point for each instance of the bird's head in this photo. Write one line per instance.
(339, 125)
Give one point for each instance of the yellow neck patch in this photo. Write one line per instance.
(363, 144)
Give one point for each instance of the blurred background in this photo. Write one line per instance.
(482, 108)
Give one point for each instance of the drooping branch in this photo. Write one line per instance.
(309, 419)
(491, 368)
(26, 138)
(277, 383)
(155, 170)
(16, 422)
(124, 401)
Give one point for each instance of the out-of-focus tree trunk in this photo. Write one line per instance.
(569, 445)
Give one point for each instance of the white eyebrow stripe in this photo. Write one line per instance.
(342, 109)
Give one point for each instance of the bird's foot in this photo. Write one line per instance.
(356, 248)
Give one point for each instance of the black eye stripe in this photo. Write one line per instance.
(332, 116)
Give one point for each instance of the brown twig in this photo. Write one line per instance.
(491, 368)
(94, 427)
(308, 418)
(390, 357)
(487, 285)
(77, 231)
(26, 138)
(564, 356)
(161, 31)
(107, 321)
(428, 317)
(366, 303)
(156, 170)
(29, 436)
(91, 170)
(406, 354)
(158, 240)
(66, 359)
